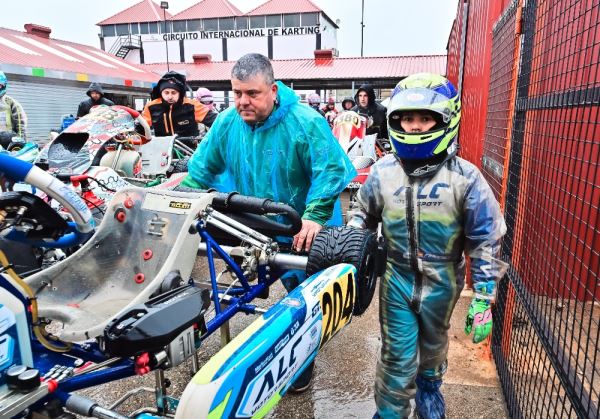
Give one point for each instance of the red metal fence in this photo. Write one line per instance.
(531, 121)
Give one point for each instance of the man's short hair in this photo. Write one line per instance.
(251, 65)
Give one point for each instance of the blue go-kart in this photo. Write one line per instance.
(125, 302)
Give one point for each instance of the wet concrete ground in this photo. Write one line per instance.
(344, 373)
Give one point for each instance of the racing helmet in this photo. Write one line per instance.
(314, 99)
(423, 153)
(3, 83)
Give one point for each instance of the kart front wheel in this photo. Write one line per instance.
(348, 245)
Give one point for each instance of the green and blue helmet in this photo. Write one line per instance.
(3, 83)
(423, 153)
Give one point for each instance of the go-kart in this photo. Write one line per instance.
(18, 147)
(110, 148)
(125, 302)
(363, 150)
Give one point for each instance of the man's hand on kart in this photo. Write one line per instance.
(303, 240)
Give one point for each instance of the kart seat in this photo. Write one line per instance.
(156, 155)
(144, 235)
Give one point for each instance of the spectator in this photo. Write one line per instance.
(374, 112)
(171, 112)
(96, 97)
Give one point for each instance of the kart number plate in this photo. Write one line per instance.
(354, 185)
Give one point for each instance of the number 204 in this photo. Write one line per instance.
(337, 302)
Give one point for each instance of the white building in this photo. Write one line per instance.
(278, 29)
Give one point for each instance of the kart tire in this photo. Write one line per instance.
(14, 147)
(181, 166)
(348, 245)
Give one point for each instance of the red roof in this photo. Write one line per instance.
(275, 7)
(35, 52)
(144, 11)
(207, 9)
(330, 69)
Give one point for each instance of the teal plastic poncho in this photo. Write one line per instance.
(292, 158)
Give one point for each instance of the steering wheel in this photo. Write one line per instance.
(40, 217)
(139, 119)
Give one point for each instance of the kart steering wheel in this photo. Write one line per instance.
(139, 119)
(28, 207)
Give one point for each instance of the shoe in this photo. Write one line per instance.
(304, 381)
(429, 400)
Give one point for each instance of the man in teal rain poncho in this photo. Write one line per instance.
(272, 146)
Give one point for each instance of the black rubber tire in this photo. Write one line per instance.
(181, 166)
(348, 245)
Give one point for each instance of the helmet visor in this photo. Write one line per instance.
(422, 98)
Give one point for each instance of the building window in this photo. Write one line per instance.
(166, 27)
(108, 30)
(310, 19)
(291, 21)
(135, 28)
(226, 23)
(179, 26)
(122, 29)
(241, 22)
(144, 28)
(211, 24)
(274, 21)
(194, 25)
(257, 22)
(152, 27)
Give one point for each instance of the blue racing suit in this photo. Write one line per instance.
(429, 225)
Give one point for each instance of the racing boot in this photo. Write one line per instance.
(304, 381)
(429, 400)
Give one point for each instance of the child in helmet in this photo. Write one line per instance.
(13, 120)
(435, 208)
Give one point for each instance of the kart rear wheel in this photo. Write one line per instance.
(348, 245)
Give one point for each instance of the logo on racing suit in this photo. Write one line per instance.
(425, 197)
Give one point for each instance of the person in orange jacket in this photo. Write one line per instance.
(171, 112)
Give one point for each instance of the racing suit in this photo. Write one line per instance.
(429, 224)
(12, 117)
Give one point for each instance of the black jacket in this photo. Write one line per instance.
(86, 105)
(373, 110)
(182, 117)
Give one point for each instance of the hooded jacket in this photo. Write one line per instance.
(180, 118)
(374, 110)
(291, 157)
(87, 104)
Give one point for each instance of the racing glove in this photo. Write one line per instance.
(479, 316)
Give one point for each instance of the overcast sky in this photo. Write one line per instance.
(393, 27)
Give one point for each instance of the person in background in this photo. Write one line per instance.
(170, 112)
(330, 106)
(370, 109)
(271, 146)
(348, 103)
(205, 97)
(436, 208)
(314, 101)
(13, 120)
(96, 97)
(330, 111)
